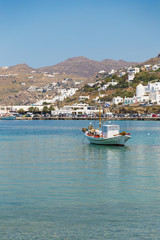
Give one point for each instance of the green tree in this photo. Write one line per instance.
(21, 111)
(45, 110)
(51, 108)
(36, 110)
(45, 103)
(30, 109)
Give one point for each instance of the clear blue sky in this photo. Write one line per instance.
(45, 32)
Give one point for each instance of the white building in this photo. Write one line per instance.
(145, 93)
(5, 68)
(95, 99)
(117, 100)
(81, 98)
(53, 84)
(64, 93)
(67, 92)
(76, 109)
(155, 67)
(77, 83)
(48, 75)
(51, 76)
(32, 88)
(141, 99)
(11, 109)
(155, 97)
(102, 71)
(112, 72)
(134, 100)
(105, 86)
(152, 87)
(131, 73)
(147, 66)
(128, 100)
(133, 70)
(140, 90)
(131, 77)
(121, 74)
(91, 84)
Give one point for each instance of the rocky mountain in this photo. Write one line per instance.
(82, 66)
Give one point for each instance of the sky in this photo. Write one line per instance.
(45, 32)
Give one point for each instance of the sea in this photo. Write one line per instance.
(55, 185)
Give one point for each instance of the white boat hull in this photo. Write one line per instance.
(119, 140)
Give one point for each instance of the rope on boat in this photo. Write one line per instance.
(83, 139)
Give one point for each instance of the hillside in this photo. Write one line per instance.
(123, 88)
(16, 80)
(155, 60)
(84, 67)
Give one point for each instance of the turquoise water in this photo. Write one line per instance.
(53, 186)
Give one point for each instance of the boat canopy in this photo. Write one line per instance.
(110, 130)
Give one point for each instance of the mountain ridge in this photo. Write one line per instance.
(85, 67)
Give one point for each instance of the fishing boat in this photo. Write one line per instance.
(106, 134)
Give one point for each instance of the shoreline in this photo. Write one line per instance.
(86, 118)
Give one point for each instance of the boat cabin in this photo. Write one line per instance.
(110, 130)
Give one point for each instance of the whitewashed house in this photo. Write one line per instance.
(131, 77)
(128, 100)
(117, 100)
(102, 71)
(133, 70)
(131, 73)
(112, 72)
(77, 83)
(147, 67)
(153, 87)
(82, 98)
(155, 97)
(155, 67)
(105, 86)
(121, 74)
(91, 84)
(32, 89)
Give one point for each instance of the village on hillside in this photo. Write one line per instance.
(131, 86)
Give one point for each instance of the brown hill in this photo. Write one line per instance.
(82, 66)
(23, 68)
(152, 61)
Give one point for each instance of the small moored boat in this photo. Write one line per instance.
(108, 135)
(10, 117)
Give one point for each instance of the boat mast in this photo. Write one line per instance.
(99, 112)
(100, 116)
